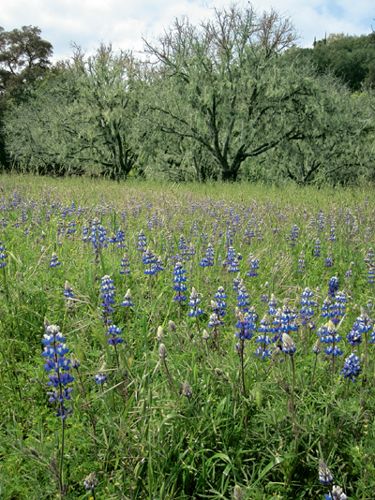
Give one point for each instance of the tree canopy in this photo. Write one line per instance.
(232, 97)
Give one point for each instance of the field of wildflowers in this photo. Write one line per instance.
(171, 342)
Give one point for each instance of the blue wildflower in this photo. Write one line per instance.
(330, 338)
(220, 299)
(194, 302)
(142, 241)
(3, 255)
(317, 248)
(127, 302)
(58, 367)
(107, 293)
(362, 326)
(54, 262)
(100, 378)
(243, 300)
(208, 259)
(307, 306)
(114, 335)
(333, 286)
(352, 367)
(68, 291)
(125, 265)
(179, 280)
(254, 266)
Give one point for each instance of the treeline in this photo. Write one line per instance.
(232, 98)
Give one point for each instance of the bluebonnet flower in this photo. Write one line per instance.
(254, 266)
(288, 319)
(72, 227)
(328, 261)
(329, 336)
(114, 335)
(179, 280)
(194, 302)
(338, 308)
(332, 233)
(301, 263)
(100, 378)
(293, 236)
(333, 286)
(107, 293)
(352, 367)
(361, 326)
(317, 248)
(127, 302)
(246, 324)
(150, 262)
(183, 249)
(307, 306)
(236, 283)
(58, 367)
(231, 262)
(68, 291)
(370, 258)
(159, 266)
(371, 275)
(336, 494)
(321, 220)
(125, 265)
(214, 321)
(208, 259)
(272, 305)
(3, 256)
(54, 262)
(263, 351)
(97, 236)
(142, 241)
(119, 238)
(243, 300)
(220, 299)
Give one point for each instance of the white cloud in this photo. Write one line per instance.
(124, 22)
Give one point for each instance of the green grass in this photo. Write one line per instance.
(139, 433)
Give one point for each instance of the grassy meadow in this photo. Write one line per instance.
(215, 341)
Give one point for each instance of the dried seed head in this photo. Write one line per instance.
(289, 347)
(205, 335)
(316, 348)
(172, 326)
(325, 475)
(237, 493)
(186, 390)
(159, 334)
(90, 482)
(162, 352)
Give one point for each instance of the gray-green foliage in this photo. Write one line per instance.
(222, 100)
(78, 120)
(225, 87)
(335, 144)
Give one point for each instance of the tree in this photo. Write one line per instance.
(349, 58)
(224, 86)
(80, 119)
(24, 58)
(334, 145)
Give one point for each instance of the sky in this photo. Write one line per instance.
(124, 23)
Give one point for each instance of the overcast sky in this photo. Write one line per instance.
(124, 22)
